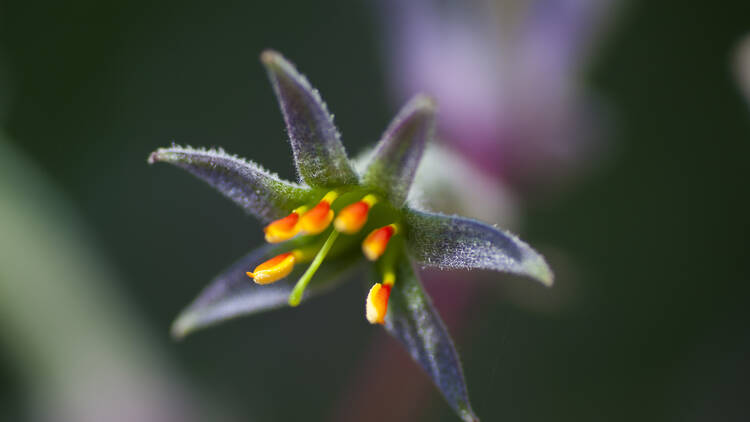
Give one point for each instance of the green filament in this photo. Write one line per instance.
(299, 289)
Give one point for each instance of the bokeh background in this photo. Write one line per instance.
(649, 320)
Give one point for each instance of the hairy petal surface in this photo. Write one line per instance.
(413, 320)
(318, 152)
(257, 191)
(437, 240)
(397, 156)
(232, 294)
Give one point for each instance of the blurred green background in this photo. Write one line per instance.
(657, 327)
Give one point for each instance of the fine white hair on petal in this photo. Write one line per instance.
(319, 155)
(443, 241)
(254, 189)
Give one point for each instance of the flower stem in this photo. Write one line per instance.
(299, 289)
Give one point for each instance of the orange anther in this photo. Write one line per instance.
(375, 243)
(274, 269)
(282, 229)
(351, 219)
(319, 217)
(377, 303)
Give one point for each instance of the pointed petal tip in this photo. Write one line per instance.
(277, 64)
(545, 275)
(414, 321)
(437, 240)
(541, 271)
(419, 111)
(181, 327)
(154, 157)
(165, 154)
(256, 190)
(423, 102)
(421, 107)
(269, 57)
(467, 415)
(397, 156)
(319, 156)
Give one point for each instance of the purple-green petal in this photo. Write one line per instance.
(257, 191)
(396, 158)
(437, 240)
(233, 294)
(413, 320)
(318, 152)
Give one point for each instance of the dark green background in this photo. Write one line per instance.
(658, 234)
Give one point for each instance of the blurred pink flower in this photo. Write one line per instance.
(514, 118)
(742, 66)
(507, 78)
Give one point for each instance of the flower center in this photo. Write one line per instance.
(313, 221)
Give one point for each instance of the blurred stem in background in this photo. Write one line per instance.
(81, 351)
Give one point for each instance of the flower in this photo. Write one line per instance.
(336, 216)
(742, 66)
(509, 78)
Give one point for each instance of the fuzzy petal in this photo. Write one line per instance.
(413, 320)
(257, 191)
(232, 294)
(398, 154)
(437, 240)
(318, 153)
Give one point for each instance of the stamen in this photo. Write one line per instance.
(320, 216)
(389, 278)
(375, 243)
(274, 269)
(376, 305)
(284, 228)
(351, 219)
(299, 289)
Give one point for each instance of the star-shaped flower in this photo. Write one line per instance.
(336, 218)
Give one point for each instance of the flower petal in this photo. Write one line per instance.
(318, 153)
(396, 157)
(257, 191)
(232, 294)
(412, 319)
(441, 185)
(456, 242)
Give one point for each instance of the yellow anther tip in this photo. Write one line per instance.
(377, 303)
(278, 236)
(282, 229)
(371, 253)
(370, 199)
(330, 197)
(274, 269)
(389, 278)
(344, 226)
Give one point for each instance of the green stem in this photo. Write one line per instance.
(299, 289)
